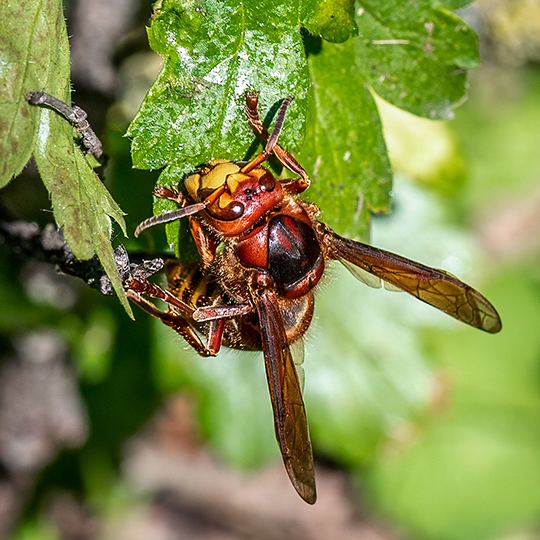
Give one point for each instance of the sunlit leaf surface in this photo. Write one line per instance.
(415, 55)
(331, 20)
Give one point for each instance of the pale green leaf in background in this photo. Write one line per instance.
(475, 472)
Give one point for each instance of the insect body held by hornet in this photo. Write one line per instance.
(262, 253)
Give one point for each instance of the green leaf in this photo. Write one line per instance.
(27, 52)
(412, 54)
(451, 4)
(345, 152)
(331, 20)
(411, 57)
(36, 52)
(213, 55)
(81, 204)
(415, 56)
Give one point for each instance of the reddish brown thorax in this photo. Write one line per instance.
(272, 235)
(286, 247)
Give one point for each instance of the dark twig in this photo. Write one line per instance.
(48, 245)
(73, 114)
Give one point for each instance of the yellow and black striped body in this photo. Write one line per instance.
(197, 287)
(191, 284)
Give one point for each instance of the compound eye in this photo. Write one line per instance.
(229, 213)
(267, 182)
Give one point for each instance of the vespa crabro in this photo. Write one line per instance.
(262, 253)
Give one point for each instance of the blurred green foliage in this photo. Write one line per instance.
(474, 470)
(439, 424)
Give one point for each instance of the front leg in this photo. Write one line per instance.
(181, 318)
(288, 160)
(215, 312)
(176, 321)
(170, 193)
(206, 246)
(143, 286)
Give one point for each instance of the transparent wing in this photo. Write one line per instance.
(298, 353)
(289, 414)
(435, 287)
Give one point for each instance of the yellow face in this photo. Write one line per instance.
(211, 177)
